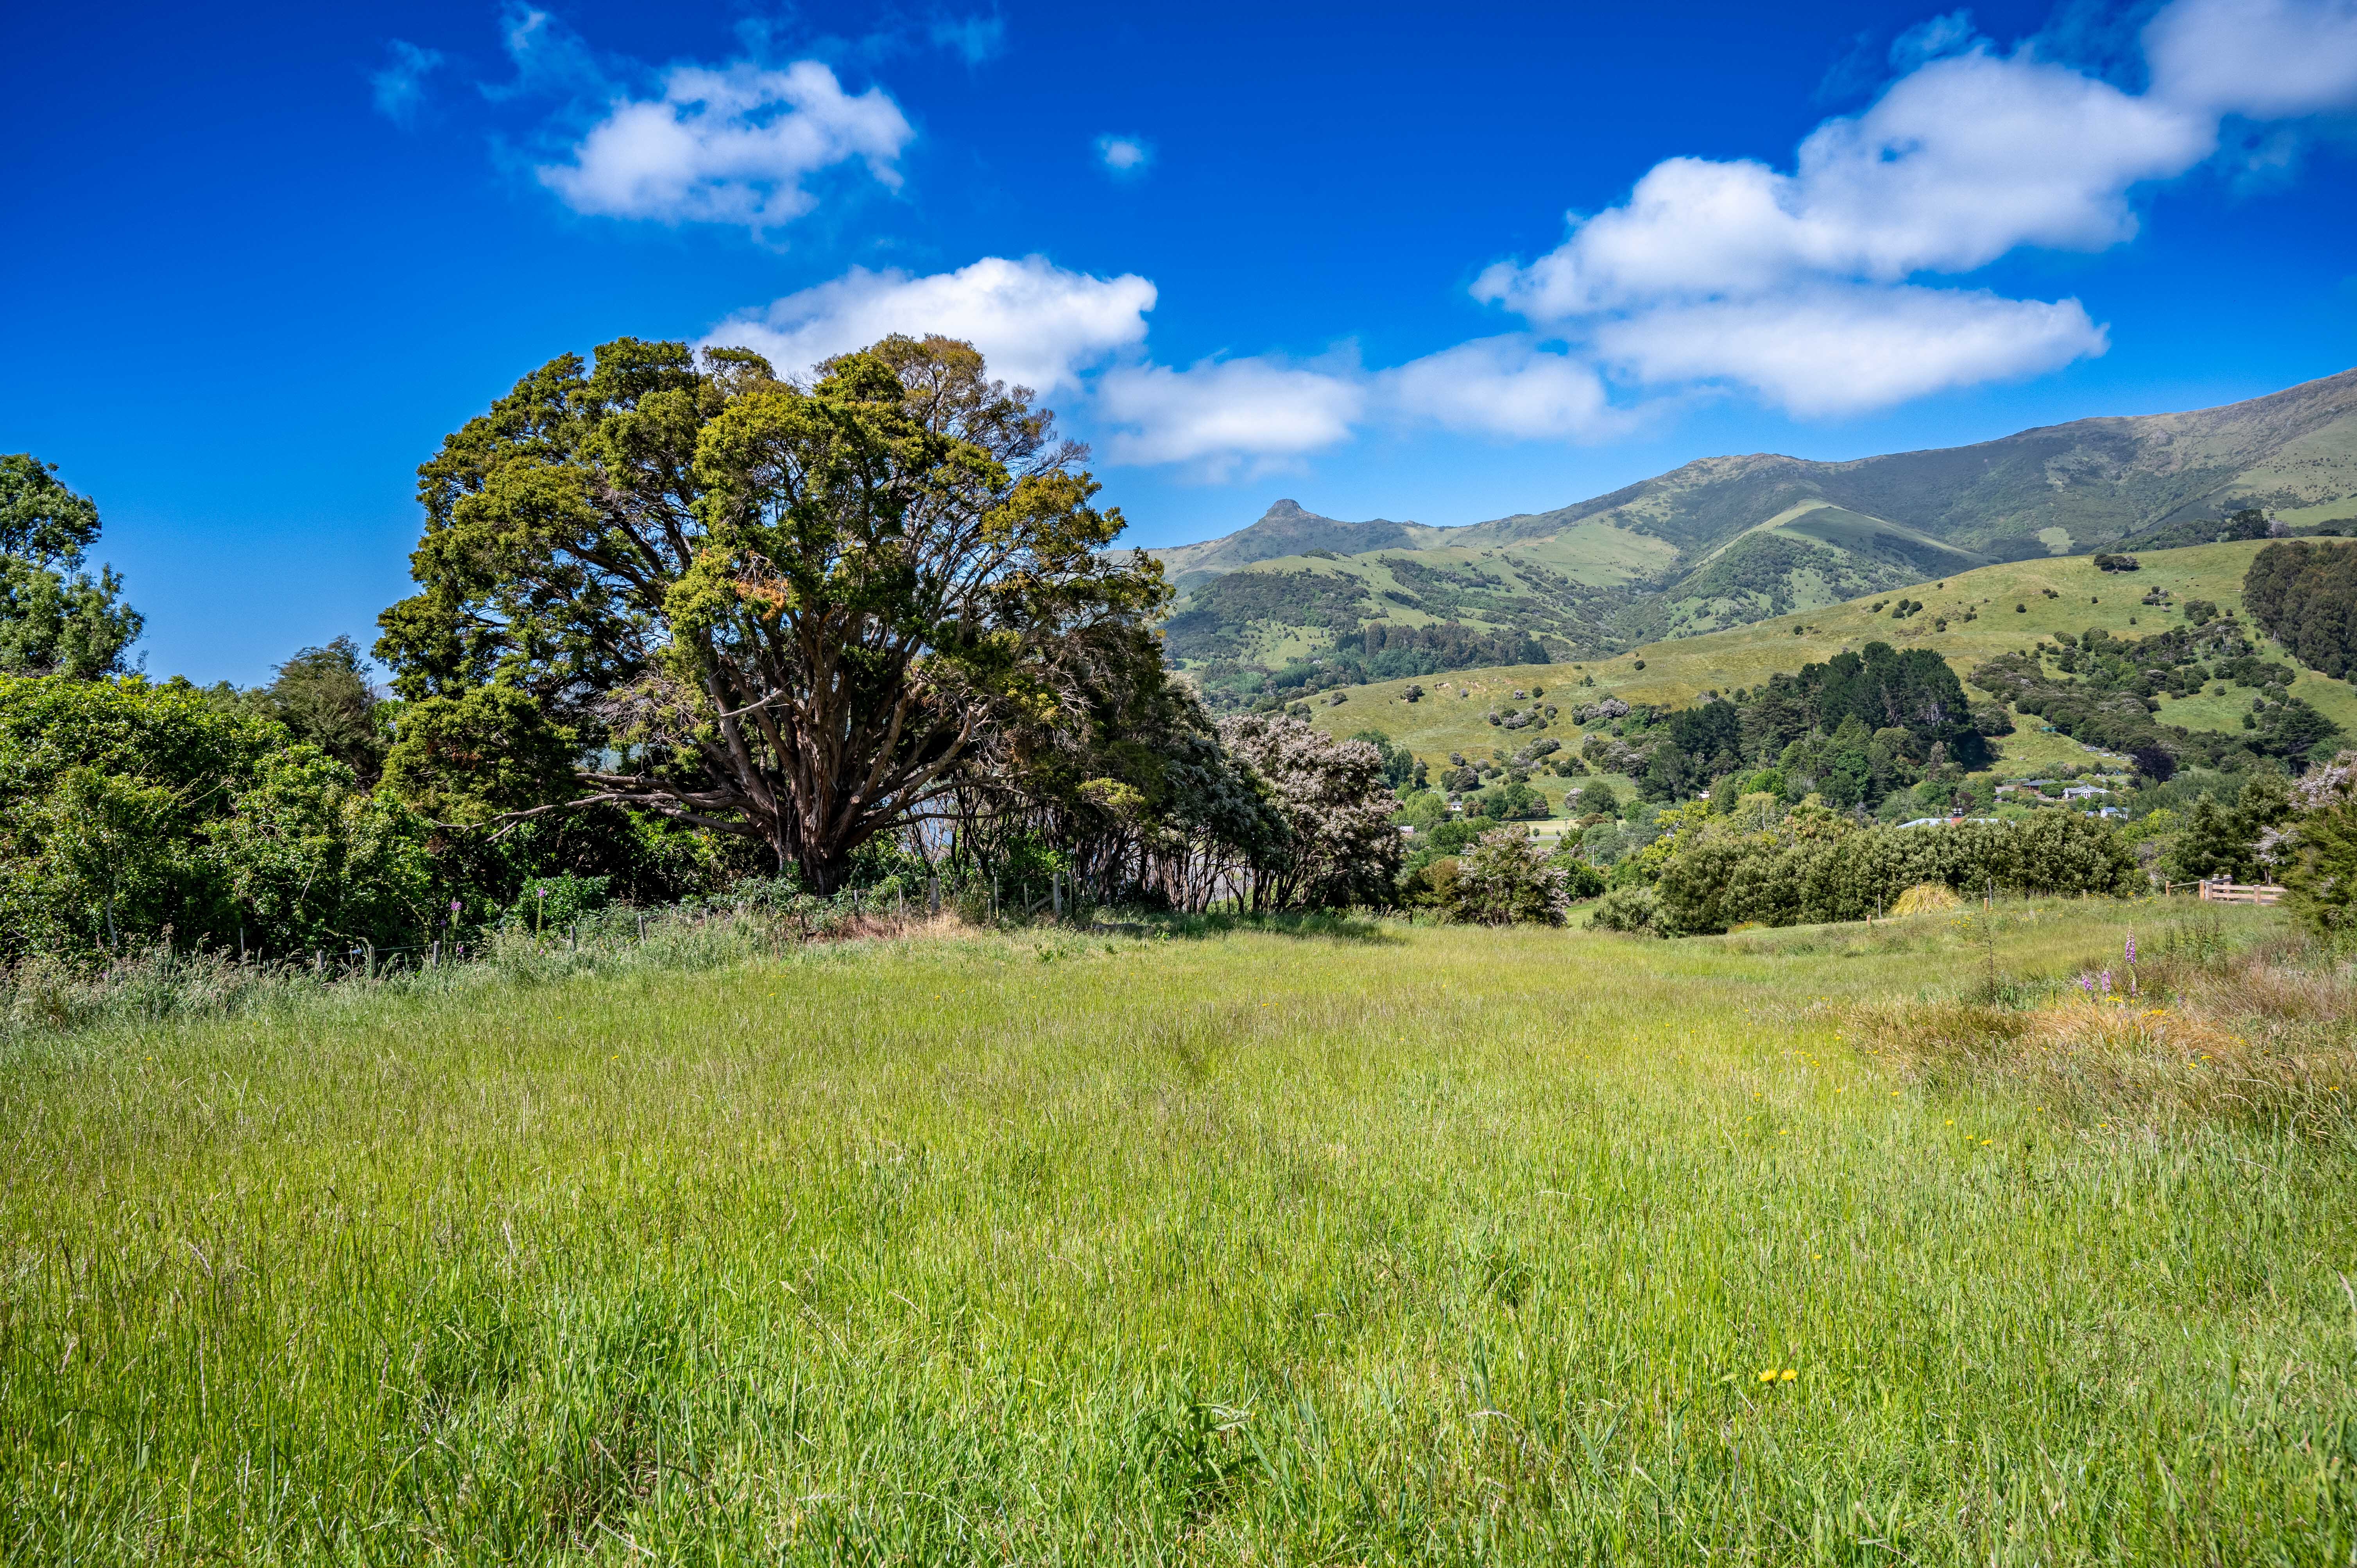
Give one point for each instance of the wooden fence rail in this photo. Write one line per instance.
(2222, 891)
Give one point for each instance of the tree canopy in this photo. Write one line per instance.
(55, 616)
(784, 612)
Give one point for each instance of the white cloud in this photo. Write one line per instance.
(1809, 287)
(1502, 386)
(1931, 39)
(1037, 325)
(2269, 60)
(730, 146)
(400, 88)
(1839, 350)
(1959, 162)
(1124, 155)
(1220, 413)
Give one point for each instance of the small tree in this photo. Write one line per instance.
(55, 617)
(1504, 880)
(1340, 846)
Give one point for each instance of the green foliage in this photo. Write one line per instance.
(1813, 867)
(799, 616)
(55, 616)
(1581, 881)
(2315, 853)
(2103, 688)
(468, 758)
(1401, 770)
(551, 903)
(314, 861)
(1220, 616)
(1629, 907)
(2305, 595)
(128, 812)
(322, 695)
(2223, 839)
(1506, 879)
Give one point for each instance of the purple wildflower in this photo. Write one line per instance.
(2107, 983)
(2132, 947)
(2086, 986)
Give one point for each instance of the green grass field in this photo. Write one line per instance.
(1678, 671)
(1362, 1245)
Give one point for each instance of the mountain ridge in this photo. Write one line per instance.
(1728, 540)
(2288, 417)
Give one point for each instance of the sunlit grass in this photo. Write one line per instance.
(1370, 1244)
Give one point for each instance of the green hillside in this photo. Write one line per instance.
(1729, 542)
(1980, 621)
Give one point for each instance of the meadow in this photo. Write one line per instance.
(1333, 1242)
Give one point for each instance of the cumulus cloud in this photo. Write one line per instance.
(1845, 349)
(1502, 386)
(1037, 325)
(400, 88)
(729, 145)
(1223, 415)
(1808, 285)
(1124, 155)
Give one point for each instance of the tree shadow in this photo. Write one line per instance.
(1316, 924)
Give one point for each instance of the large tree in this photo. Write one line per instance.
(783, 611)
(55, 617)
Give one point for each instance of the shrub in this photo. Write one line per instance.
(1503, 880)
(1635, 909)
(1581, 881)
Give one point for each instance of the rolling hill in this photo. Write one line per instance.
(1967, 618)
(1729, 542)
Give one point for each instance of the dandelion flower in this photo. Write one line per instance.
(1791, 1372)
(1768, 1376)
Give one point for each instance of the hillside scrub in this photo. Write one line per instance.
(2102, 691)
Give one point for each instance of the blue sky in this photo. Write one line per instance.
(1387, 260)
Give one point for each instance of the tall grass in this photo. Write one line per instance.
(1350, 1245)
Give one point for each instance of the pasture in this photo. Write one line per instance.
(1678, 672)
(1338, 1243)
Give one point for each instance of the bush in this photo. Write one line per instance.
(1581, 881)
(1503, 880)
(1635, 909)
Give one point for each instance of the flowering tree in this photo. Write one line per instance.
(2315, 850)
(1338, 847)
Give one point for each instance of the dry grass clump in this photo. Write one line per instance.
(1926, 898)
(2266, 1036)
